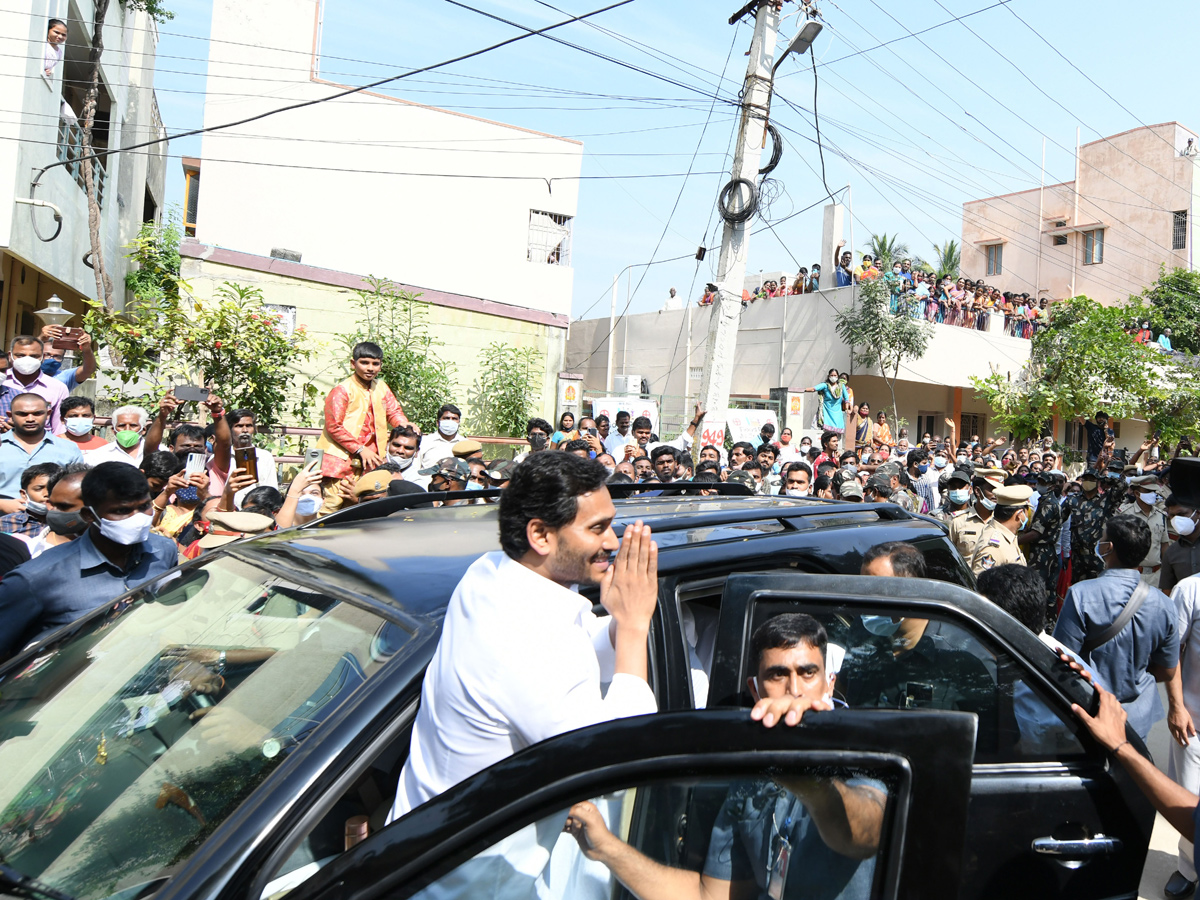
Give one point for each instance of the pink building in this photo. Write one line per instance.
(1130, 210)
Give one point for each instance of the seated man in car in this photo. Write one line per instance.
(822, 832)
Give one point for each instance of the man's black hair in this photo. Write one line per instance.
(1101, 415)
(706, 477)
(821, 483)
(848, 455)
(236, 415)
(1019, 591)
(711, 447)
(75, 468)
(602, 419)
(404, 431)
(785, 631)
(767, 448)
(192, 432)
(27, 395)
(1130, 538)
(661, 451)
(907, 561)
(545, 486)
(113, 479)
(538, 423)
(793, 466)
(75, 403)
(747, 448)
(641, 422)
(263, 499)
(619, 478)
(161, 464)
(47, 469)
(767, 428)
(1005, 513)
(622, 414)
(753, 466)
(826, 468)
(708, 465)
(448, 408)
(577, 444)
(827, 436)
(918, 456)
(367, 350)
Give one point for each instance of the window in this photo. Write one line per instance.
(1093, 247)
(549, 238)
(970, 424)
(1179, 223)
(1060, 240)
(1075, 436)
(932, 423)
(995, 259)
(192, 195)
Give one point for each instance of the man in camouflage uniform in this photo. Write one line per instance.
(965, 529)
(1089, 510)
(1040, 540)
(901, 495)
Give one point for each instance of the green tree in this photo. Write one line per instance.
(396, 320)
(155, 249)
(1174, 302)
(507, 390)
(1084, 360)
(947, 259)
(889, 248)
(879, 338)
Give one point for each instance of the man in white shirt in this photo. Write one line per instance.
(128, 446)
(522, 658)
(615, 442)
(244, 426)
(1183, 695)
(642, 430)
(440, 443)
(402, 447)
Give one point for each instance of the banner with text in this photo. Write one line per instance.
(745, 424)
(635, 406)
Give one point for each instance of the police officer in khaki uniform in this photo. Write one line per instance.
(956, 496)
(997, 544)
(1146, 504)
(965, 530)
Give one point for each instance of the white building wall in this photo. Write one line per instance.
(321, 180)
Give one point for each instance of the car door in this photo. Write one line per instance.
(500, 833)
(1048, 815)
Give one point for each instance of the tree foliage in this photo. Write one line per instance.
(879, 338)
(947, 259)
(396, 320)
(1084, 361)
(1174, 302)
(891, 250)
(507, 390)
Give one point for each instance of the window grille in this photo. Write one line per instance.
(1179, 229)
(549, 238)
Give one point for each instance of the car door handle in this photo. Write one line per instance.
(1079, 848)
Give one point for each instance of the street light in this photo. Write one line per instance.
(800, 43)
(53, 313)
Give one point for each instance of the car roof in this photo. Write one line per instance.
(410, 560)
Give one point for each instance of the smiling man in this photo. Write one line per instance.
(522, 657)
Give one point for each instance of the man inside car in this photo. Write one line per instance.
(825, 831)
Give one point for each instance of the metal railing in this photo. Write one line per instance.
(70, 150)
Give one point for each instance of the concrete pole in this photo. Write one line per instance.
(687, 365)
(731, 270)
(612, 333)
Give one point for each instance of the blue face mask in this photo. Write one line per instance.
(474, 486)
(986, 503)
(923, 468)
(51, 366)
(882, 626)
(1096, 550)
(960, 495)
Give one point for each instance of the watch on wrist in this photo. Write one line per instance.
(221, 663)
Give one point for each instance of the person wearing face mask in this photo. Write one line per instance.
(402, 448)
(35, 488)
(796, 480)
(1144, 505)
(79, 418)
(1182, 558)
(1040, 540)
(924, 478)
(1127, 630)
(965, 530)
(128, 446)
(537, 433)
(833, 403)
(25, 376)
(440, 444)
(956, 496)
(64, 503)
(1089, 510)
(52, 358)
(28, 442)
(116, 553)
(997, 544)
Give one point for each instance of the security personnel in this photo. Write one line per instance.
(1088, 511)
(956, 495)
(1040, 539)
(997, 544)
(1145, 505)
(965, 530)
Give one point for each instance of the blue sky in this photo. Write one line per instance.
(915, 127)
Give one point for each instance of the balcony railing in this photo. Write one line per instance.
(70, 150)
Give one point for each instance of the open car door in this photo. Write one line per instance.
(703, 795)
(1048, 816)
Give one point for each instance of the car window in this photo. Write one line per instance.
(885, 661)
(760, 835)
(127, 743)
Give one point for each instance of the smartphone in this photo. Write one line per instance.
(246, 458)
(188, 393)
(314, 455)
(195, 464)
(68, 340)
(593, 432)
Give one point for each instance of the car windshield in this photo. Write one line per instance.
(125, 745)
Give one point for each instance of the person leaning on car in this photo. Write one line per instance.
(116, 553)
(829, 826)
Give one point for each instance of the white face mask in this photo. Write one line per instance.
(129, 531)
(308, 505)
(1148, 498)
(401, 461)
(79, 425)
(797, 492)
(448, 427)
(1183, 525)
(27, 365)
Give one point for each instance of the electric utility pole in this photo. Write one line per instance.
(731, 269)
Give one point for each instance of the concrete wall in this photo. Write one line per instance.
(28, 142)
(320, 298)
(1129, 184)
(347, 205)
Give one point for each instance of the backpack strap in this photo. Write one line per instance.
(1136, 599)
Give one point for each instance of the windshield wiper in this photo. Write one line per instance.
(17, 884)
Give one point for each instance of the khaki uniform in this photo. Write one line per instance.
(997, 546)
(965, 531)
(1156, 521)
(948, 517)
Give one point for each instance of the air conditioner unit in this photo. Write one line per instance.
(627, 384)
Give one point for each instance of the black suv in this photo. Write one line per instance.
(216, 733)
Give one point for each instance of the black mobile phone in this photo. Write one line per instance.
(593, 432)
(188, 393)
